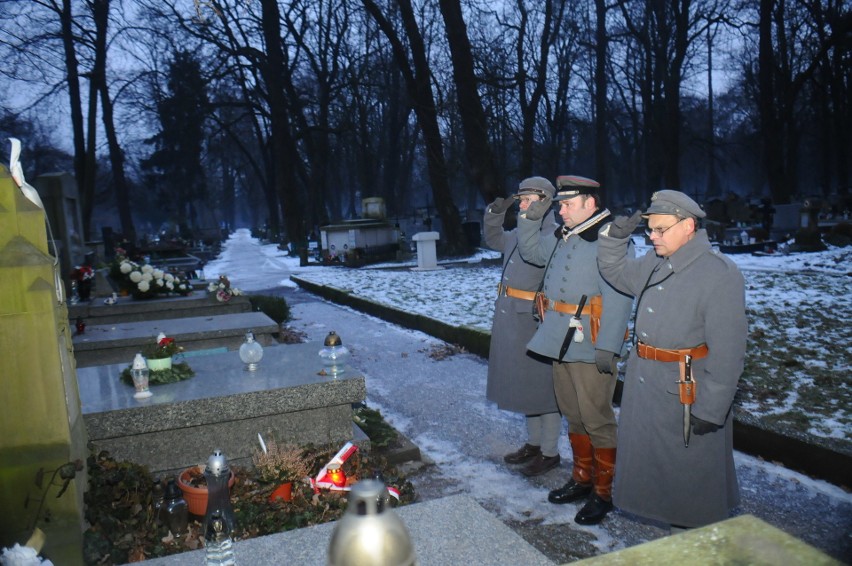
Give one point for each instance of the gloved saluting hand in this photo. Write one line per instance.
(500, 205)
(605, 361)
(700, 426)
(623, 226)
(538, 209)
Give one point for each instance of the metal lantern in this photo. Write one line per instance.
(334, 354)
(251, 352)
(139, 372)
(370, 533)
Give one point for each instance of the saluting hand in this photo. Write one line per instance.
(538, 209)
(500, 205)
(623, 226)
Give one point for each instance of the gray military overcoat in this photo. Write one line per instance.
(517, 380)
(696, 296)
(573, 272)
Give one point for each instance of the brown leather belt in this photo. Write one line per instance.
(565, 308)
(515, 293)
(665, 355)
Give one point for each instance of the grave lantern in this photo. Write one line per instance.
(370, 532)
(336, 475)
(139, 372)
(334, 354)
(251, 352)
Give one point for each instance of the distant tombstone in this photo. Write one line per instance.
(427, 257)
(62, 205)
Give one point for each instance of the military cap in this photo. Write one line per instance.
(675, 203)
(536, 186)
(570, 186)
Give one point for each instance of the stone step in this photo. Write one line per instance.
(117, 343)
(128, 309)
(222, 406)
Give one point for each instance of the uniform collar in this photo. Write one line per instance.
(690, 251)
(587, 230)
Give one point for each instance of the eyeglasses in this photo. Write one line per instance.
(660, 231)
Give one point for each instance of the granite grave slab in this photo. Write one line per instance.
(450, 530)
(115, 343)
(222, 406)
(128, 309)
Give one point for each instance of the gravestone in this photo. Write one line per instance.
(61, 200)
(427, 257)
(41, 420)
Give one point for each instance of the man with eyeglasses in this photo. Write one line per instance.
(675, 450)
(583, 338)
(518, 380)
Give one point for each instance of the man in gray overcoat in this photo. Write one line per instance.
(519, 381)
(584, 376)
(676, 465)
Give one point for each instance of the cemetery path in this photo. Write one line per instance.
(435, 395)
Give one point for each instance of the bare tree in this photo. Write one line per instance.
(417, 77)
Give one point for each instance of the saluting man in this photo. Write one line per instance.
(584, 376)
(676, 459)
(519, 381)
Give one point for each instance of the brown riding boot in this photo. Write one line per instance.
(580, 484)
(600, 503)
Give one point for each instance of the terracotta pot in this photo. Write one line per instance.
(196, 497)
(159, 364)
(283, 491)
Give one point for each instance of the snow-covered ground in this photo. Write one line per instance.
(441, 405)
(799, 306)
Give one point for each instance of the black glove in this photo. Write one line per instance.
(606, 362)
(500, 205)
(700, 426)
(623, 226)
(538, 209)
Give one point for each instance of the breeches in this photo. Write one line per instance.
(584, 396)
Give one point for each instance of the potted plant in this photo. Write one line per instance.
(280, 465)
(193, 484)
(159, 355)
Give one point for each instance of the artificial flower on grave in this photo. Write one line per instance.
(223, 290)
(146, 281)
(82, 273)
(164, 347)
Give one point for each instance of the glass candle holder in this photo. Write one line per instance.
(334, 354)
(139, 372)
(251, 352)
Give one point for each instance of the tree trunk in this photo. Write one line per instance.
(481, 171)
(420, 90)
(84, 186)
(273, 71)
(601, 114)
(100, 12)
(770, 130)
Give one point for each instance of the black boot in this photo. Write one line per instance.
(524, 455)
(571, 491)
(594, 511)
(541, 464)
